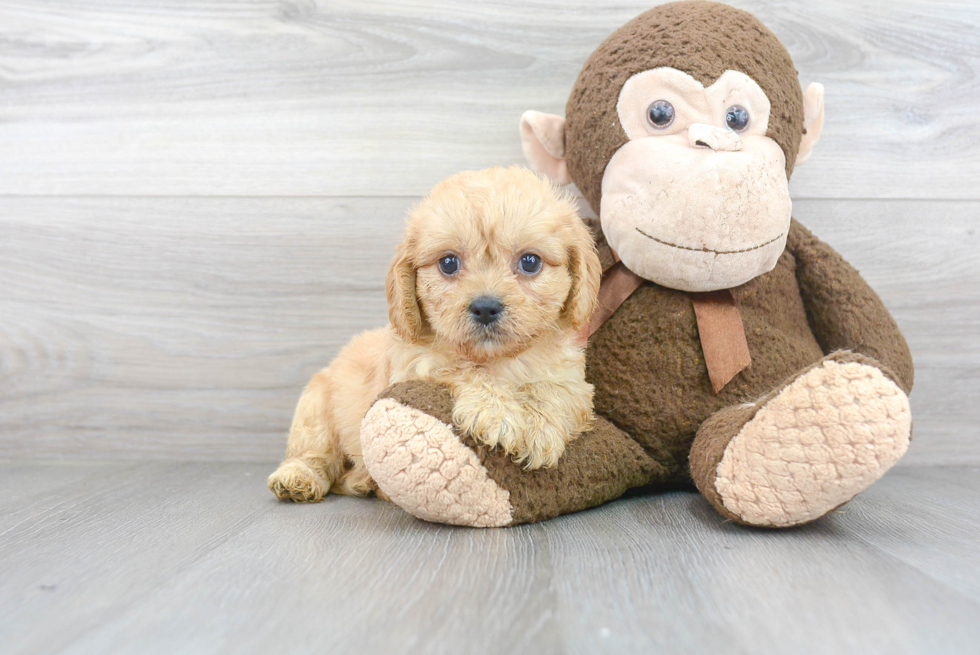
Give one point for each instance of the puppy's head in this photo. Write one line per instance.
(491, 261)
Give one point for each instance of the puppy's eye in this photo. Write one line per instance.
(449, 265)
(737, 118)
(660, 114)
(529, 264)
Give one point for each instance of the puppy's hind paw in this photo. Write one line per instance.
(295, 480)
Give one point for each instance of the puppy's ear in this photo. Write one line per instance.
(586, 272)
(403, 303)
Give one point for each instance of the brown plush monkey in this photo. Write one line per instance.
(735, 349)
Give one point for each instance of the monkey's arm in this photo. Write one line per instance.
(843, 310)
(415, 456)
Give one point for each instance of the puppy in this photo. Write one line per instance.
(494, 278)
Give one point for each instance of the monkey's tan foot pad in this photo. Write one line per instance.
(295, 480)
(811, 446)
(424, 468)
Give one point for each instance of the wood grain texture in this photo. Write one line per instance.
(136, 325)
(299, 97)
(185, 328)
(198, 201)
(178, 557)
(665, 574)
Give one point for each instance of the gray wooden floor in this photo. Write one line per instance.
(190, 557)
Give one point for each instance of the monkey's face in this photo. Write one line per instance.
(697, 199)
(683, 128)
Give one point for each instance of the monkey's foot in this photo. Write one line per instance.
(419, 462)
(412, 452)
(807, 448)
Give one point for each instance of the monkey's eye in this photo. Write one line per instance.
(737, 118)
(529, 264)
(660, 114)
(449, 265)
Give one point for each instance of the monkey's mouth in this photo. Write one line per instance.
(708, 250)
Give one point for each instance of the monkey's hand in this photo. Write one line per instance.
(414, 454)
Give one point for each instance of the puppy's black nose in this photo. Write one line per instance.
(486, 310)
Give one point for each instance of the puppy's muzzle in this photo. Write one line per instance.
(486, 310)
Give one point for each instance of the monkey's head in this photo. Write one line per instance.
(681, 132)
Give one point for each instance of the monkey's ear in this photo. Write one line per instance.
(403, 305)
(543, 142)
(812, 121)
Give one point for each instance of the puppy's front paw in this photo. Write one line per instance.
(543, 443)
(556, 414)
(531, 435)
(493, 420)
(295, 480)
(490, 420)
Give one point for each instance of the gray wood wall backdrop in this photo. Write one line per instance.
(198, 198)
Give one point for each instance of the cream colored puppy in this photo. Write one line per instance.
(495, 276)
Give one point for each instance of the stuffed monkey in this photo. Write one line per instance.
(733, 349)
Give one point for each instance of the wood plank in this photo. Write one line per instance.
(25, 492)
(667, 574)
(184, 557)
(80, 557)
(185, 328)
(926, 517)
(149, 563)
(223, 97)
(134, 325)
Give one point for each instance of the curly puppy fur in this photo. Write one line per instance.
(518, 383)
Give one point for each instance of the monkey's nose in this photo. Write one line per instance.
(701, 135)
(485, 310)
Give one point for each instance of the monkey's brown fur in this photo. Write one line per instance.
(830, 368)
